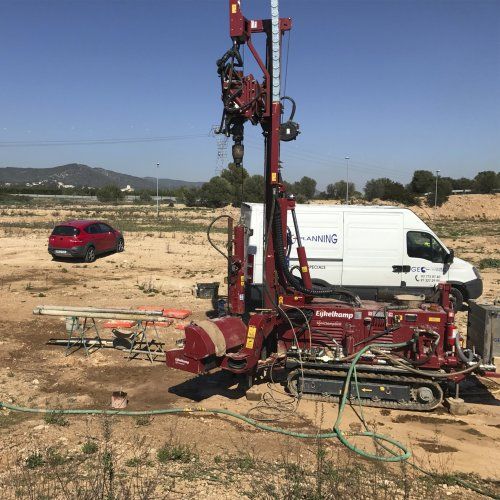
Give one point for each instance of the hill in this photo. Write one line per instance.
(78, 175)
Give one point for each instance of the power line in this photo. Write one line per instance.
(85, 142)
(330, 161)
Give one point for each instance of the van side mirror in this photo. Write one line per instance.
(448, 259)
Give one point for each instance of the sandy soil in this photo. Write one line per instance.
(458, 207)
(33, 373)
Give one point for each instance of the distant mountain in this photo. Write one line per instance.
(77, 175)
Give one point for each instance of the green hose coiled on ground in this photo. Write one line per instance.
(216, 411)
(336, 433)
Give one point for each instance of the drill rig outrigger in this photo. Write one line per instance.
(313, 334)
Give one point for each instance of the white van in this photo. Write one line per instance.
(375, 251)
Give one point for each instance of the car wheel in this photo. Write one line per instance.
(457, 299)
(120, 245)
(89, 254)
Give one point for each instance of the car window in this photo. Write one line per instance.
(65, 231)
(104, 228)
(424, 246)
(92, 229)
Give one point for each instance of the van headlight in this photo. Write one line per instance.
(476, 272)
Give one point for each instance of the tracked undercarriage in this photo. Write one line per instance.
(388, 388)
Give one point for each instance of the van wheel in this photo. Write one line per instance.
(457, 299)
(89, 254)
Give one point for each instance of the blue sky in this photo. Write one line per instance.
(396, 85)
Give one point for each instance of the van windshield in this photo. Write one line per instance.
(424, 246)
(65, 231)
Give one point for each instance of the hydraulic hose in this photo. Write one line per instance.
(342, 294)
(209, 229)
(467, 360)
(423, 373)
(335, 433)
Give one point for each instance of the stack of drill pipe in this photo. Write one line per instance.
(99, 312)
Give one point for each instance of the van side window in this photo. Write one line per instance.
(424, 246)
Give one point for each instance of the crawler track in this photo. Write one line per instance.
(414, 384)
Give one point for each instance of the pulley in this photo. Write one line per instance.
(289, 130)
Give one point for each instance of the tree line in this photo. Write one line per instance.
(235, 185)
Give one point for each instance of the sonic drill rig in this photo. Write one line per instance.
(410, 349)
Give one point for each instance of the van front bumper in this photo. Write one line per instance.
(474, 288)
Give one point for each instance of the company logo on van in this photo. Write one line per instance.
(319, 238)
(321, 313)
(418, 270)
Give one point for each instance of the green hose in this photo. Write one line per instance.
(337, 433)
(199, 409)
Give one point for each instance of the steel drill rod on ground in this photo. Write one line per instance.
(98, 315)
(158, 312)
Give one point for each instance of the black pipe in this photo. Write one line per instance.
(466, 359)
(338, 293)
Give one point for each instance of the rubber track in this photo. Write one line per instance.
(435, 387)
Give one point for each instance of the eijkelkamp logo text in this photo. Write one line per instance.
(321, 313)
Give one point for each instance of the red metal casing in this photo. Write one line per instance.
(198, 353)
(237, 272)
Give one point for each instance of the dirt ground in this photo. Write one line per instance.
(160, 267)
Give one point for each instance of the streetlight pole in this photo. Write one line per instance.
(157, 197)
(347, 158)
(436, 190)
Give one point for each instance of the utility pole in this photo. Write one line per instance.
(347, 158)
(436, 190)
(157, 197)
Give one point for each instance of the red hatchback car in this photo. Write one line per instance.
(84, 239)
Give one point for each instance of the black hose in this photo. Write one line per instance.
(292, 114)
(466, 359)
(210, 239)
(339, 293)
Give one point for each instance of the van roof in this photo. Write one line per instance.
(340, 207)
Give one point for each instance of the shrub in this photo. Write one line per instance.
(175, 453)
(56, 418)
(388, 190)
(489, 262)
(34, 460)
(444, 188)
(110, 194)
(89, 447)
(486, 181)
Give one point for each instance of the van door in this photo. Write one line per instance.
(321, 235)
(373, 249)
(424, 259)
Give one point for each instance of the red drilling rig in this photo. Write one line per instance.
(411, 349)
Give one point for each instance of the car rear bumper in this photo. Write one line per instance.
(67, 252)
